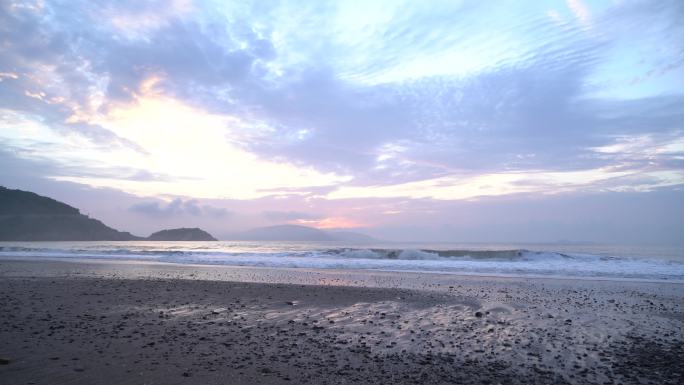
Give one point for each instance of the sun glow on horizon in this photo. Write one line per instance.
(331, 223)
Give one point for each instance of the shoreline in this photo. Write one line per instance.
(233, 268)
(102, 322)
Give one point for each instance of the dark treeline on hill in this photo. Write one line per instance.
(182, 234)
(26, 216)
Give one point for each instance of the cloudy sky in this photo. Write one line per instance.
(415, 120)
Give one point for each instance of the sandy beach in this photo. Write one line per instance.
(108, 322)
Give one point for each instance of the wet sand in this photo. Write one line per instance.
(104, 322)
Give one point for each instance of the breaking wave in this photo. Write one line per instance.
(509, 262)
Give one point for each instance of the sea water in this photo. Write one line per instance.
(535, 260)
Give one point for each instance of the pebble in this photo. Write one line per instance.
(157, 328)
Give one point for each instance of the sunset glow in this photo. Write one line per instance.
(312, 111)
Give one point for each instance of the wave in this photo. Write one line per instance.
(351, 253)
(518, 262)
(429, 254)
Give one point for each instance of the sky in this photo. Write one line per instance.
(501, 121)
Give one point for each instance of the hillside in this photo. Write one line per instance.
(18, 202)
(26, 216)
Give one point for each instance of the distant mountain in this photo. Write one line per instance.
(300, 233)
(285, 233)
(182, 234)
(26, 216)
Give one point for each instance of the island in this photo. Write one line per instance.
(182, 234)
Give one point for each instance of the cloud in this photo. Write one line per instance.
(521, 104)
(332, 223)
(607, 217)
(178, 207)
(484, 185)
(534, 113)
(138, 21)
(320, 107)
(581, 12)
(217, 163)
(288, 216)
(312, 220)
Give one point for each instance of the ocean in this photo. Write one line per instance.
(660, 263)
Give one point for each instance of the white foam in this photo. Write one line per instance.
(292, 255)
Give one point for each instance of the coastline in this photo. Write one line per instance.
(131, 268)
(103, 321)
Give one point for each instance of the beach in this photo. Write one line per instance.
(120, 322)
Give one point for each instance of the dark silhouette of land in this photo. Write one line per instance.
(182, 234)
(27, 216)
